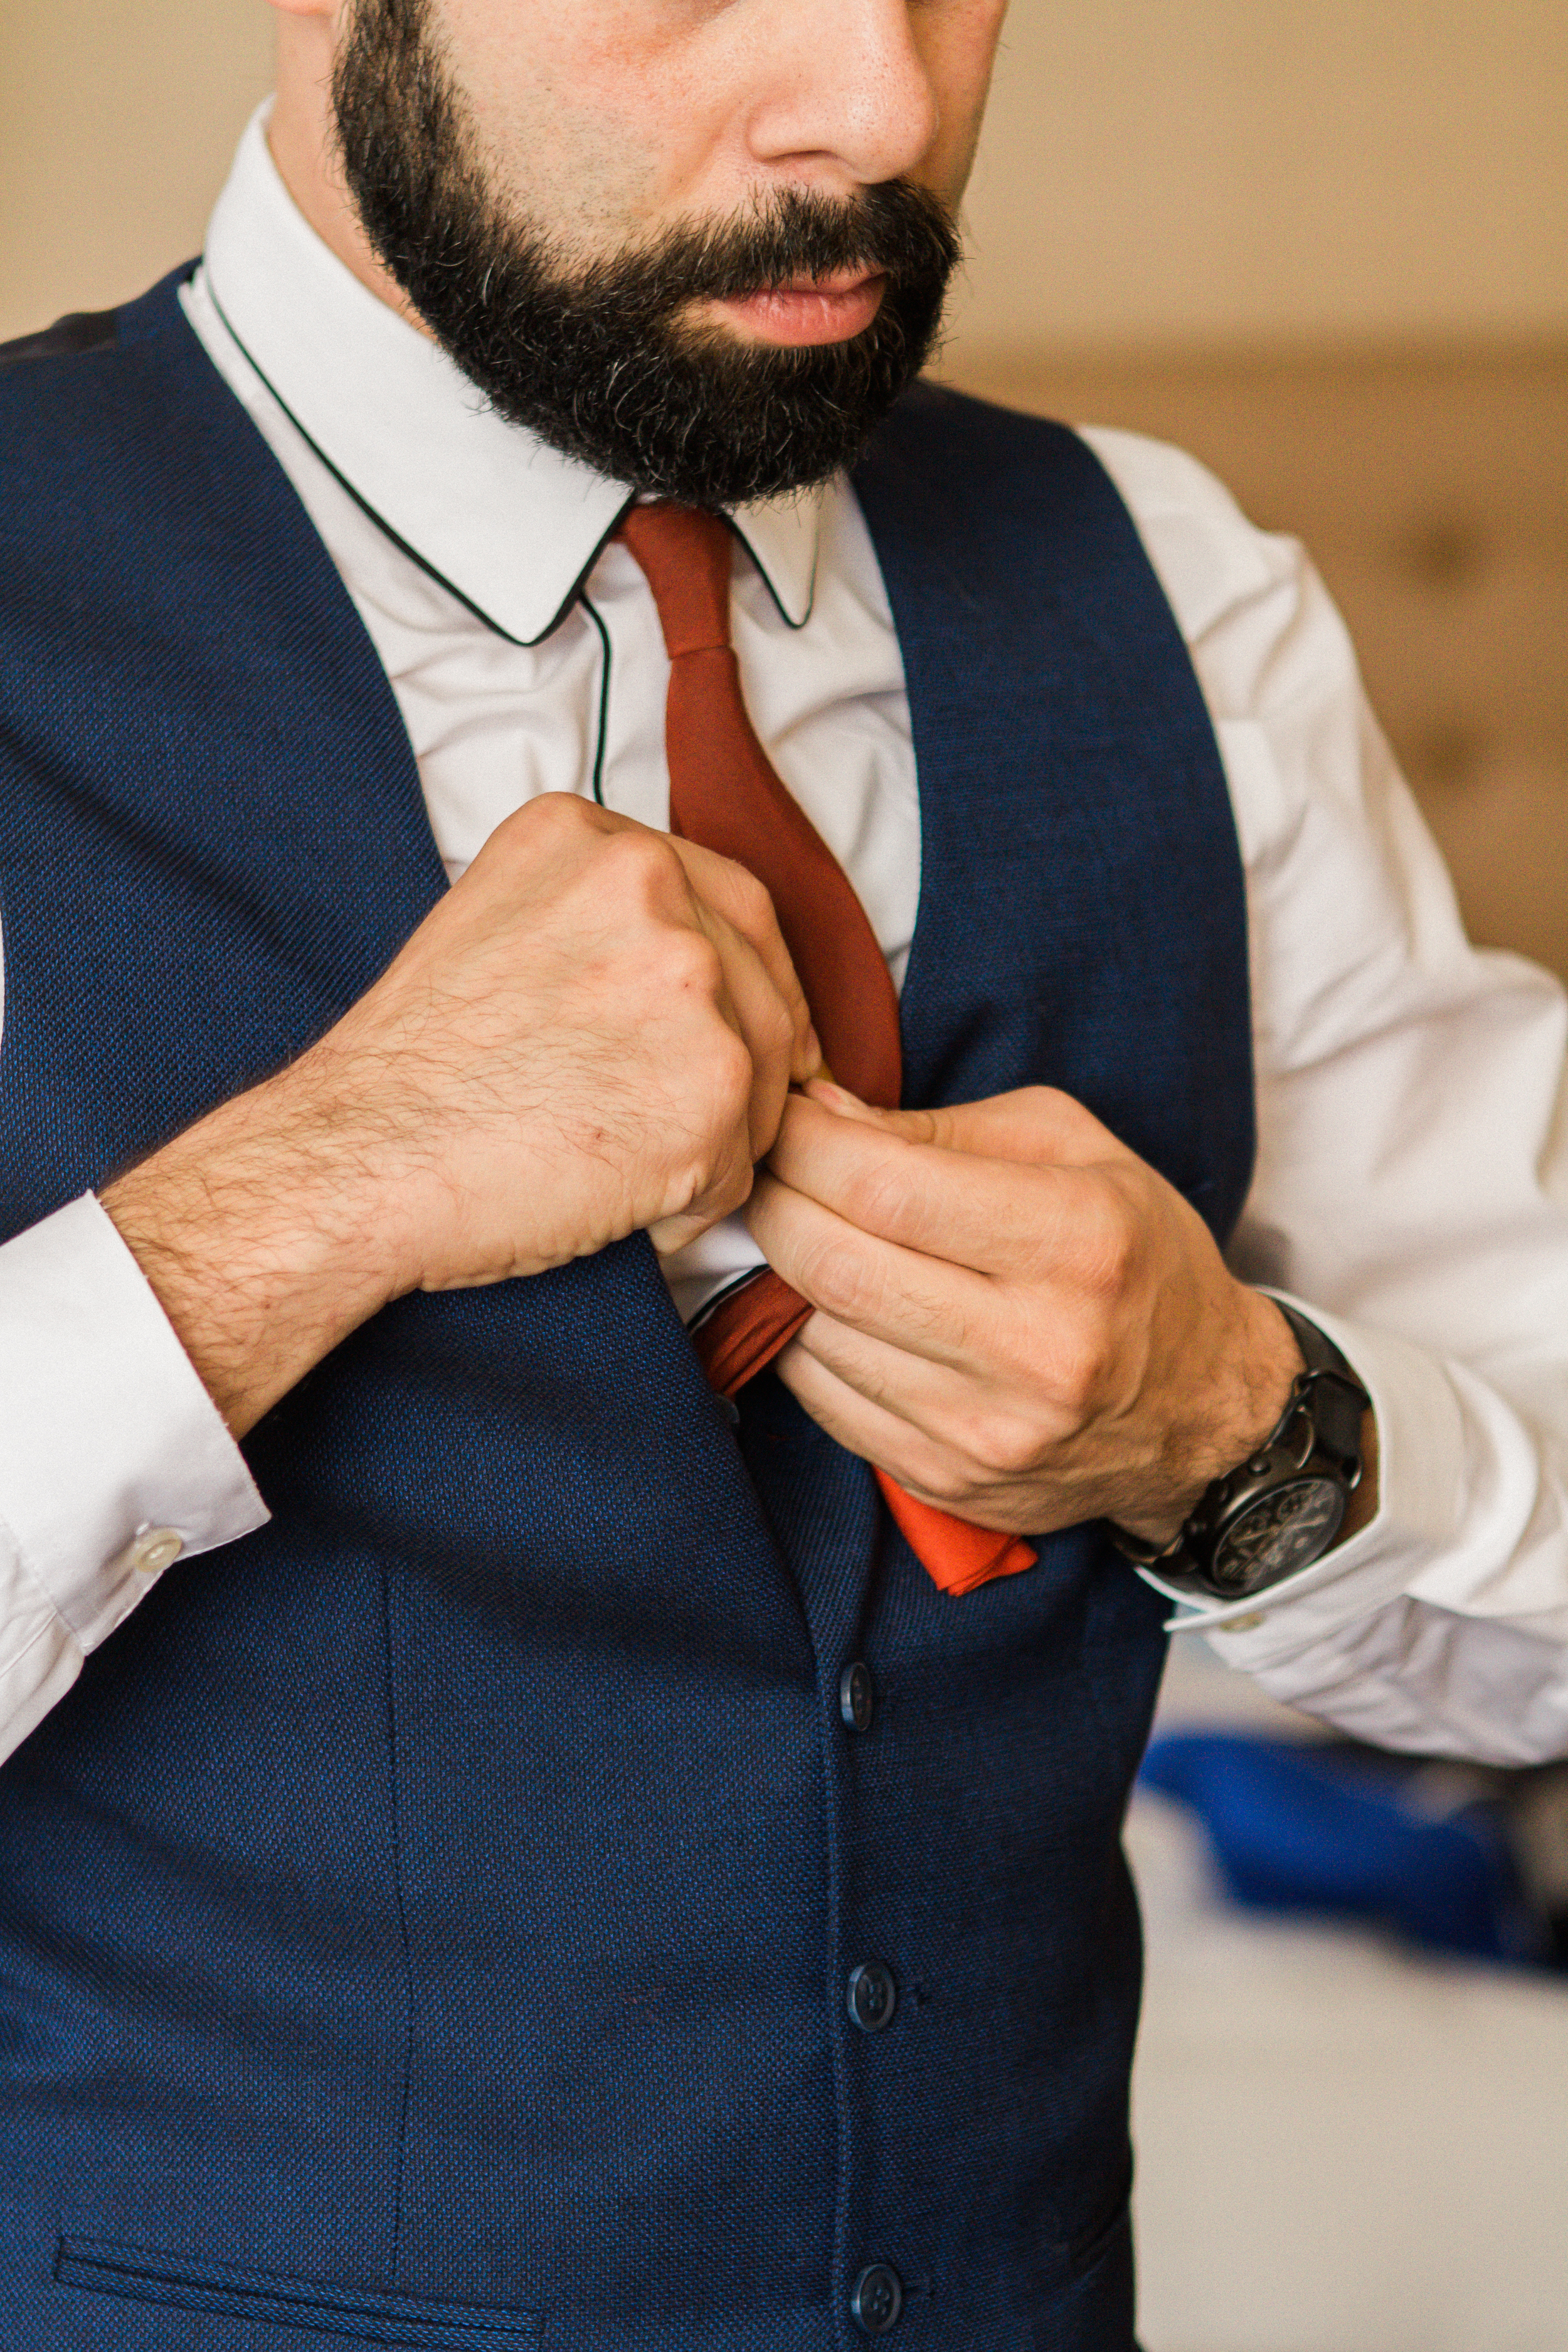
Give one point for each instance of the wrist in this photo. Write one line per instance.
(1238, 1394)
(263, 1240)
(1263, 1361)
(1290, 1499)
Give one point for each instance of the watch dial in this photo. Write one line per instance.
(1279, 1533)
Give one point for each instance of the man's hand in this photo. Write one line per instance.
(593, 1031)
(1018, 1318)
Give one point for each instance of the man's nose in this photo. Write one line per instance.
(848, 92)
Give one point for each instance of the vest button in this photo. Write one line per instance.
(873, 1996)
(857, 1696)
(876, 2299)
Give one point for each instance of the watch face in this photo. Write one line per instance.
(1283, 1530)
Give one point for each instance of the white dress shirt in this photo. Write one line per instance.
(1410, 1191)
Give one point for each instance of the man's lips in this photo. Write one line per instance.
(810, 310)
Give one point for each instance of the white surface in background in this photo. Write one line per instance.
(1342, 2146)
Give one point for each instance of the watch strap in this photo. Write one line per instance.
(1338, 1400)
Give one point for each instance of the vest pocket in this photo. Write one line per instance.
(392, 2323)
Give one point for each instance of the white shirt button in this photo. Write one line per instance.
(155, 1549)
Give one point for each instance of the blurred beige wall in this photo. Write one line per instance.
(117, 120)
(1157, 172)
(1204, 172)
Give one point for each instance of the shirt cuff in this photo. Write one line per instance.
(1421, 1510)
(114, 1461)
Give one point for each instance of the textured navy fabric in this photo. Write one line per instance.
(427, 1921)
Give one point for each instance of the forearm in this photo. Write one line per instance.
(264, 1236)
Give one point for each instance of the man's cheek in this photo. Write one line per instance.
(566, 147)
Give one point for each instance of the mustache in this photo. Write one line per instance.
(894, 230)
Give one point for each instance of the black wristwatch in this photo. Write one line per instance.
(1281, 1508)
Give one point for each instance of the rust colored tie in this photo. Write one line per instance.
(724, 794)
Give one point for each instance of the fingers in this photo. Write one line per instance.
(923, 1466)
(992, 1215)
(675, 881)
(691, 971)
(924, 1305)
(729, 891)
(857, 1423)
(1034, 1124)
(952, 1409)
(752, 1003)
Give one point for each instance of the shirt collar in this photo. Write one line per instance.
(507, 522)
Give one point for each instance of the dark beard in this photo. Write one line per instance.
(598, 363)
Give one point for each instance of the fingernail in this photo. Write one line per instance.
(834, 1098)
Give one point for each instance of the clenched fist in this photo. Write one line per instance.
(594, 1031)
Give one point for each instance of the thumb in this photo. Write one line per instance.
(1037, 1125)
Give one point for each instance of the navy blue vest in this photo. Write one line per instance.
(427, 1922)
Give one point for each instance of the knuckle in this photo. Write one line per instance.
(731, 1075)
(836, 1277)
(1004, 1446)
(733, 1186)
(558, 816)
(1050, 1122)
(706, 1177)
(734, 1059)
(1080, 1366)
(876, 1193)
(1110, 1245)
(753, 904)
(948, 1483)
(639, 865)
(775, 1030)
(683, 961)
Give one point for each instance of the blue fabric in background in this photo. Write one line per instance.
(1331, 1827)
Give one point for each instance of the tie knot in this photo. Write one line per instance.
(687, 555)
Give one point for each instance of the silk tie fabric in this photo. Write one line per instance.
(725, 794)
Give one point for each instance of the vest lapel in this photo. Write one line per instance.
(1081, 919)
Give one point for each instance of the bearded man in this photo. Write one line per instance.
(693, 985)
